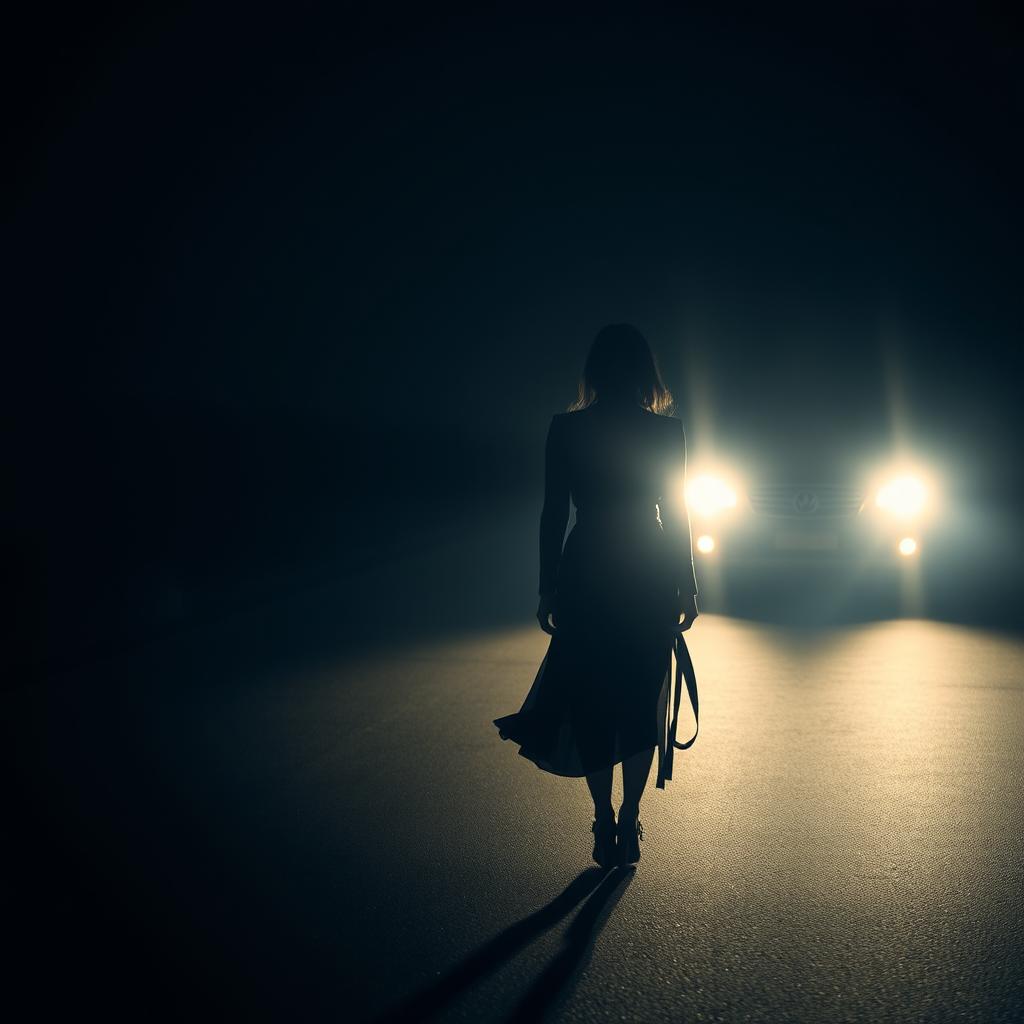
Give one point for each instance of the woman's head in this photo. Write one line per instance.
(621, 367)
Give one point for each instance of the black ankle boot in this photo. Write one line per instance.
(629, 832)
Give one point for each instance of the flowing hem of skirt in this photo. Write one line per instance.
(546, 739)
(564, 762)
(552, 747)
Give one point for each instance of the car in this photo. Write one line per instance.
(815, 505)
(815, 520)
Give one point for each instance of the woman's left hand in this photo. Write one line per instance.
(687, 608)
(546, 609)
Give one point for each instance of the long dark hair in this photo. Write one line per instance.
(620, 363)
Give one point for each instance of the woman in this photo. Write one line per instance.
(616, 598)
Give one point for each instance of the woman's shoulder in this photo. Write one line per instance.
(670, 430)
(589, 411)
(558, 425)
(660, 421)
(667, 423)
(572, 416)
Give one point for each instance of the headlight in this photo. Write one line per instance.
(907, 546)
(707, 495)
(904, 496)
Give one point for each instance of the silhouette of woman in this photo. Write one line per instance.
(616, 600)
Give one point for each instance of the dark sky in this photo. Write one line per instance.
(397, 236)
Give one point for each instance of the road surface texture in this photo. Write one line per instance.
(346, 838)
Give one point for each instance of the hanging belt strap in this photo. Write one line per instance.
(684, 670)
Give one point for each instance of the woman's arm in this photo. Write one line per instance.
(555, 515)
(675, 517)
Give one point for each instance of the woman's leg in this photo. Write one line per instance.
(635, 771)
(600, 785)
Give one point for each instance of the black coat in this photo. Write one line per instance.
(600, 694)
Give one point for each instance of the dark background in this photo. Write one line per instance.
(292, 295)
(295, 293)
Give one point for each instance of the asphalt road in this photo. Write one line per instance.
(346, 837)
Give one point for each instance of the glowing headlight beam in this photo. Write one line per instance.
(904, 496)
(707, 495)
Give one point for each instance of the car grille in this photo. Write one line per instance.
(810, 501)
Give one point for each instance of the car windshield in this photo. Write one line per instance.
(781, 432)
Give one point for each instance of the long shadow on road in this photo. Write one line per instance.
(603, 887)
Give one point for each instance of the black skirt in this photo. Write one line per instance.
(602, 691)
